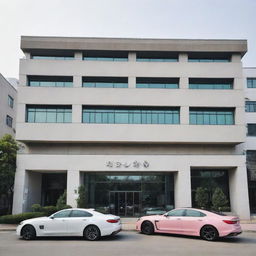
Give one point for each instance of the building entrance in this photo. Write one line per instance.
(125, 203)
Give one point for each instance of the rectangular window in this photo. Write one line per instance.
(131, 115)
(106, 55)
(209, 57)
(251, 129)
(10, 101)
(211, 83)
(44, 57)
(48, 114)
(157, 57)
(9, 121)
(250, 106)
(157, 83)
(50, 81)
(211, 116)
(251, 82)
(105, 82)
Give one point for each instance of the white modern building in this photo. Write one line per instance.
(8, 95)
(141, 123)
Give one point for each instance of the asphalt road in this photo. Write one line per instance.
(128, 243)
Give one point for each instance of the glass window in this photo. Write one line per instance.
(48, 57)
(105, 56)
(209, 57)
(250, 106)
(193, 213)
(105, 82)
(9, 121)
(211, 83)
(156, 57)
(202, 116)
(49, 114)
(158, 83)
(10, 101)
(251, 128)
(50, 81)
(179, 212)
(251, 82)
(62, 214)
(78, 213)
(134, 115)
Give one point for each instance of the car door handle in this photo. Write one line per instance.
(178, 218)
(200, 220)
(84, 219)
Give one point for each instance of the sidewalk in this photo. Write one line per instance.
(128, 224)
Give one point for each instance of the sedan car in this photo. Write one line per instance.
(71, 222)
(193, 222)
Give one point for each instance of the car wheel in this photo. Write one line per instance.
(147, 228)
(209, 233)
(28, 232)
(92, 233)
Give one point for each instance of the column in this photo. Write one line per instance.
(236, 57)
(77, 81)
(22, 80)
(76, 113)
(73, 182)
(78, 56)
(182, 188)
(132, 56)
(183, 57)
(184, 115)
(131, 82)
(184, 82)
(238, 190)
(20, 192)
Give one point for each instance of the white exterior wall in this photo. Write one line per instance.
(184, 134)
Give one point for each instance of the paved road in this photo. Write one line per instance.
(128, 243)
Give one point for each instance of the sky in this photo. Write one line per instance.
(192, 19)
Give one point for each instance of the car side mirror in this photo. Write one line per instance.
(166, 215)
(51, 217)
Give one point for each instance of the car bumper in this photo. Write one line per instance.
(111, 230)
(18, 229)
(232, 231)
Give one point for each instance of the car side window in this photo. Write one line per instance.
(62, 214)
(193, 213)
(78, 213)
(179, 212)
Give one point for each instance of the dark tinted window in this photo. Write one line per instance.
(251, 129)
(193, 213)
(78, 213)
(62, 214)
(179, 212)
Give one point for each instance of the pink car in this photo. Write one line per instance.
(193, 222)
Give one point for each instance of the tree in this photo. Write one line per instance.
(81, 200)
(219, 199)
(61, 202)
(8, 152)
(201, 197)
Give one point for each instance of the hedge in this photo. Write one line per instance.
(17, 218)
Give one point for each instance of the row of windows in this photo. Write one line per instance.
(122, 82)
(140, 56)
(129, 115)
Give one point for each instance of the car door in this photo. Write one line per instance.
(171, 221)
(77, 221)
(192, 221)
(56, 224)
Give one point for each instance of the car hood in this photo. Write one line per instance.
(34, 219)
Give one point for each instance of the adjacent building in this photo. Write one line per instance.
(140, 123)
(8, 95)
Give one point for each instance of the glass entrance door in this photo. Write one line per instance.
(125, 203)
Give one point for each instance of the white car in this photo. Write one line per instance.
(71, 222)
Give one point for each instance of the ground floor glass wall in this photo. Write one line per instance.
(129, 194)
(210, 179)
(251, 170)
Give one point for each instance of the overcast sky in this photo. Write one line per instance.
(196, 19)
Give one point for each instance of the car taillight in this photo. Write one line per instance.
(113, 221)
(230, 221)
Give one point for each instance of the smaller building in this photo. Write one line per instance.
(8, 95)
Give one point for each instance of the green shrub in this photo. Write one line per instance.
(81, 200)
(201, 197)
(36, 208)
(219, 199)
(62, 201)
(49, 210)
(17, 218)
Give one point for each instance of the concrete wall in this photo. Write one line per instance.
(7, 89)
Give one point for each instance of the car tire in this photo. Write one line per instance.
(28, 232)
(209, 233)
(147, 228)
(92, 233)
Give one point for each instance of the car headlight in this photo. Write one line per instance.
(21, 223)
(138, 219)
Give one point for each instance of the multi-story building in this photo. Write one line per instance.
(8, 96)
(141, 123)
(249, 146)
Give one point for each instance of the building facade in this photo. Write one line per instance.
(8, 95)
(140, 123)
